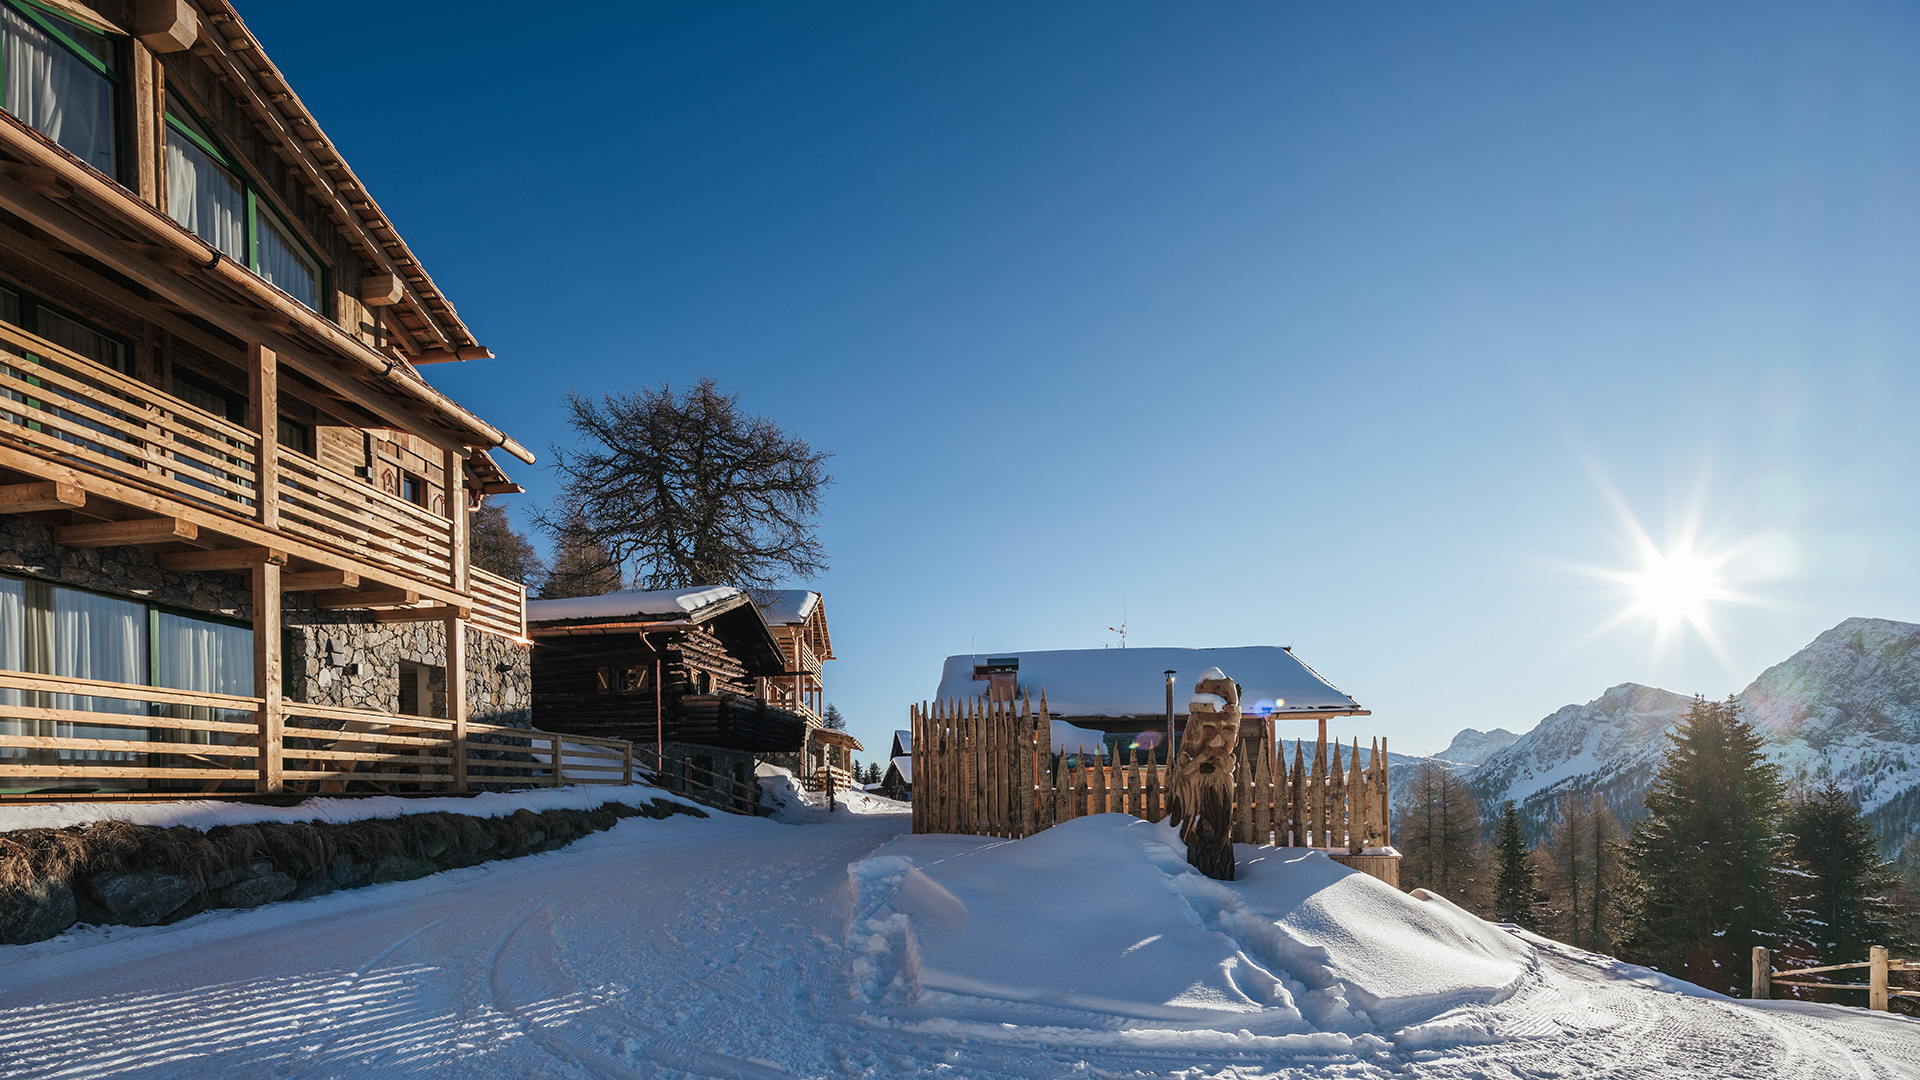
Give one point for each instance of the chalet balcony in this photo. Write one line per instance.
(108, 440)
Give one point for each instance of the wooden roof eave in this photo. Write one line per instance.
(167, 243)
(836, 737)
(330, 178)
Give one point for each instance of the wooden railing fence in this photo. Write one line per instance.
(699, 783)
(1878, 964)
(499, 604)
(154, 742)
(983, 767)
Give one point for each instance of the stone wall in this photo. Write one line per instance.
(27, 549)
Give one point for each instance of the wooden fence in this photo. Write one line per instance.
(987, 768)
(1879, 965)
(65, 737)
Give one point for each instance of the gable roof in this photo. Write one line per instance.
(1131, 683)
(638, 605)
(730, 612)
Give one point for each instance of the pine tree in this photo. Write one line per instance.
(1849, 894)
(493, 544)
(832, 718)
(1513, 889)
(1580, 871)
(1699, 868)
(1436, 826)
(582, 566)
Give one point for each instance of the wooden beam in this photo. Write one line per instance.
(370, 598)
(319, 579)
(422, 614)
(382, 290)
(263, 380)
(448, 356)
(266, 675)
(156, 530)
(165, 26)
(223, 559)
(32, 498)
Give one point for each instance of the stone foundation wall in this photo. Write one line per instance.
(27, 549)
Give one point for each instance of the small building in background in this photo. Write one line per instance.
(1121, 693)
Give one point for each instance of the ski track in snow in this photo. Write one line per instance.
(718, 948)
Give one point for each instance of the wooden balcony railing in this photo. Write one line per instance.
(84, 414)
(59, 405)
(362, 521)
(499, 605)
(81, 736)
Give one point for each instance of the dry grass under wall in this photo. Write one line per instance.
(140, 875)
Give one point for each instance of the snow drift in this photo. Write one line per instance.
(1099, 923)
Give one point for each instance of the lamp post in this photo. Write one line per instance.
(1170, 673)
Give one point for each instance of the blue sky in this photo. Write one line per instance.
(1356, 327)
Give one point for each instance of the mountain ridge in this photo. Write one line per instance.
(1845, 707)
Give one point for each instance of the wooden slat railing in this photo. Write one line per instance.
(702, 785)
(988, 768)
(82, 413)
(1880, 966)
(362, 521)
(499, 604)
(58, 734)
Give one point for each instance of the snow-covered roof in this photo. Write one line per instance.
(1130, 682)
(788, 607)
(631, 603)
(904, 763)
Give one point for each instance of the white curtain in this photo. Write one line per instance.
(213, 658)
(283, 263)
(99, 637)
(13, 654)
(205, 198)
(57, 93)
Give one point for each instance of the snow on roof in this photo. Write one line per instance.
(903, 738)
(789, 607)
(615, 605)
(1130, 682)
(904, 763)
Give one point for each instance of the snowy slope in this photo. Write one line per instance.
(1846, 707)
(741, 947)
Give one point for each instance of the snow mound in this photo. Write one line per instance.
(1099, 922)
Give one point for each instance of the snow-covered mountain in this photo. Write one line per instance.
(1472, 747)
(1846, 707)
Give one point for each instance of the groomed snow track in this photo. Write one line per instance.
(717, 948)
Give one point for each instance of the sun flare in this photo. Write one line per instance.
(1676, 585)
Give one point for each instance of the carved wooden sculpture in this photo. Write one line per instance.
(1200, 791)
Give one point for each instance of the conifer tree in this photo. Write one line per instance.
(1699, 868)
(832, 718)
(582, 566)
(1513, 889)
(1579, 872)
(1849, 894)
(1436, 826)
(493, 544)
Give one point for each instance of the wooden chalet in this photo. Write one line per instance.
(233, 509)
(798, 618)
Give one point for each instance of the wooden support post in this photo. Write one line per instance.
(626, 764)
(1762, 973)
(266, 674)
(263, 377)
(1877, 978)
(454, 626)
(455, 462)
(559, 772)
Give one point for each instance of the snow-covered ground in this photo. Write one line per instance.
(738, 947)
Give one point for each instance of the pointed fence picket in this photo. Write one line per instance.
(985, 766)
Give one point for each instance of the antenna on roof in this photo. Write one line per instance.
(1122, 628)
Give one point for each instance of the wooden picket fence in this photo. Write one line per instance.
(987, 768)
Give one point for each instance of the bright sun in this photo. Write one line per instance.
(1676, 585)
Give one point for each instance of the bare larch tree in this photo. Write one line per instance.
(689, 489)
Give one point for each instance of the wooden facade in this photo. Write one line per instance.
(658, 678)
(211, 349)
(798, 619)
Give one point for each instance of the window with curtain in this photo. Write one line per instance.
(51, 629)
(209, 194)
(62, 79)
